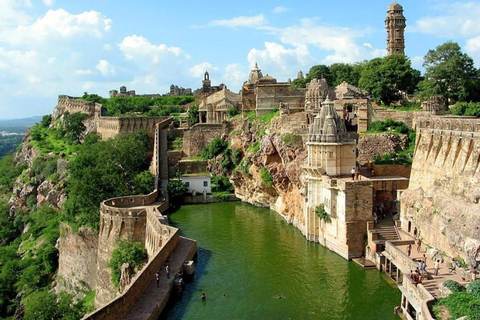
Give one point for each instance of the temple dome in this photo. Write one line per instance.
(395, 6)
(255, 75)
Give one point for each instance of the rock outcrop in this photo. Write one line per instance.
(372, 144)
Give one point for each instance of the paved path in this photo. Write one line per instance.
(154, 299)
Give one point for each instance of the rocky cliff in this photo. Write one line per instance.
(270, 172)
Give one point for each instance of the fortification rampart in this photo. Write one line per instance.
(109, 127)
(119, 306)
(442, 200)
(74, 104)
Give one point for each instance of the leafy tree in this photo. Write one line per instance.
(216, 146)
(345, 72)
(144, 182)
(322, 214)
(103, 170)
(221, 183)
(193, 115)
(127, 252)
(471, 109)
(450, 74)
(74, 126)
(176, 188)
(47, 305)
(318, 72)
(46, 120)
(385, 77)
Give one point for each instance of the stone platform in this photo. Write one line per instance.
(153, 299)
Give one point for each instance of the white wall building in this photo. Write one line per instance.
(198, 182)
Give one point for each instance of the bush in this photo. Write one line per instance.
(266, 177)
(267, 118)
(126, 252)
(193, 115)
(216, 146)
(471, 109)
(232, 111)
(454, 286)
(254, 147)
(244, 165)
(236, 156)
(221, 184)
(176, 188)
(292, 140)
(389, 125)
(46, 120)
(474, 288)
(144, 182)
(322, 214)
(74, 126)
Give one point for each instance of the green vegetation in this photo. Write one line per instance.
(267, 118)
(266, 176)
(127, 252)
(174, 143)
(236, 156)
(292, 139)
(450, 74)
(460, 303)
(74, 126)
(176, 188)
(245, 164)
(385, 77)
(9, 173)
(322, 214)
(406, 106)
(216, 147)
(232, 111)
(193, 115)
(9, 143)
(396, 127)
(454, 286)
(46, 305)
(471, 109)
(254, 147)
(222, 184)
(157, 106)
(106, 169)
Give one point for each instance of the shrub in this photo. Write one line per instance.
(193, 115)
(216, 146)
(471, 109)
(46, 120)
(236, 156)
(267, 118)
(232, 111)
(266, 177)
(74, 126)
(254, 147)
(454, 286)
(176, 188)
(244, 165)
(127, 252)
(292, 140)
(474, 288)
(322, 214)
(144, 182)
(221, 184)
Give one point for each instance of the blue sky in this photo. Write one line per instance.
(52, 47)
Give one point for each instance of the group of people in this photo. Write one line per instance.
(416, 276)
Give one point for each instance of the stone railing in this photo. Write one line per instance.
(406, 263)
(421, 295)
(123, 303)
(129, 201)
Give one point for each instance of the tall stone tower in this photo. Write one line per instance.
(395, 24)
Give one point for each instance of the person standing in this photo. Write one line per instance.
(436, 267)
(409, 250)
(353, 173)
(415, 232)
(167, 270)
(157, 277)
(419, 245)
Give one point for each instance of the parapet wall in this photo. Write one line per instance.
(74, 104)
(109, 127)
(442, 200)
(199, 136)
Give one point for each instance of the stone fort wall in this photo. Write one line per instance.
(109, 127)
(199, 136)
(442, 200)
(74, 104)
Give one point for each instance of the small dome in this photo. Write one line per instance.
(395, 6)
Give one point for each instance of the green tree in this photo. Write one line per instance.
(193, 115)
(345, 72)
(386, 77)
(451, 74)
(144, 182)
(127, 252)
(176, 188)
(46, 120)
(318, 72)
(74, 126)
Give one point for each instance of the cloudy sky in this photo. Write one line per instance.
(51, 47)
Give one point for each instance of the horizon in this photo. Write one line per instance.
(54, 47)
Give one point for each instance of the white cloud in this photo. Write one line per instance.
(235, 76)
(60, 24)
(198, 70)
(107, 47)
(241, 21)
(49, 3)
(12, 13)
(283, 61)
(105, 68)
(84, 72)
(342, 42)
(278, 10)
(460, 20)
(368, 45)
(137, 47)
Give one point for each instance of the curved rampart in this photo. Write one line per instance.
(109, 127)
(119, 306)
(73, 104)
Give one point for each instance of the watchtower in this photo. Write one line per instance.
(395, 24)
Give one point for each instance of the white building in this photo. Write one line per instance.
(198, 182)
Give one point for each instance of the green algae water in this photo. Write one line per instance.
(252, 255)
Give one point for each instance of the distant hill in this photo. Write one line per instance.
(25, 122)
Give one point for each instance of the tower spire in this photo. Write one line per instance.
(395, 25)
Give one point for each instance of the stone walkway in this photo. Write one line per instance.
(153, 300)
(431, 282)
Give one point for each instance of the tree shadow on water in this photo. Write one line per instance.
(178, 303)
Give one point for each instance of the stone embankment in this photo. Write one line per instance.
(375, 144)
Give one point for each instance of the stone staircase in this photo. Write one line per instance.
(386, 232)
